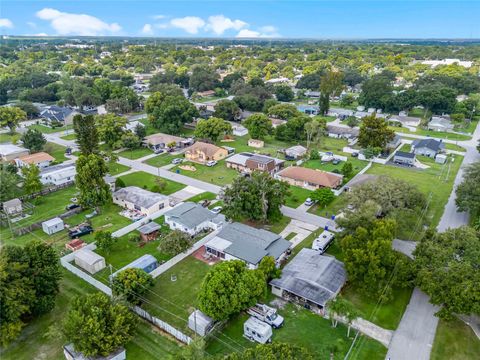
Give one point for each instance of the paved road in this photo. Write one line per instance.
(405, 247)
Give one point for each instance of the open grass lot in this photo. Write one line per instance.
(115, 168)
(57, 151)
(7, 137)
(147, 181)
(35, 343)
(162, 159)
(218, 174)
(297, 196)
(469, 127)
(203, 196)
(271, 146)
(48, 130)
(455, 147)
(455, 340)
(69, 137)
(339, 203)
(437, 174)
(302, 328)
(135, 153)
(432, 134)
(173, 301)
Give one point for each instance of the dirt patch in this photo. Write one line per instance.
(188, 167)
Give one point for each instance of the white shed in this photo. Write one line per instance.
(89, 261)
(441, 158)
(53, 226)
(200, 323)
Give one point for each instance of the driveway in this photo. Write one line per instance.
(300, 228)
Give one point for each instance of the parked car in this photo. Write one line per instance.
(211, 163)
(80, 230)
(309, 202)
(335, 162)
(216, 209)
(71, 207)
(355, 154)
(158, 151)
(177, 161)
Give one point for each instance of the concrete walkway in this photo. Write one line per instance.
(300, 228)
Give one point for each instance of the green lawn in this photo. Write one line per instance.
(115, 168)
(7, 137)
(303, 328)
(468, 127)
(433, 134)
(135, 153)
(455, 340)
(357, 165)
(69, 137)
(48, 130)
(219, 174)
(203, 196)
(57, 151)
(387, 315)
(438, 175)
(339, 203)
(271, 146)
(35, 342)
(290, 236)
(173, 301)
(162, 159)
(278, 226)
(147, 181)
(297, 196)
(455, 147)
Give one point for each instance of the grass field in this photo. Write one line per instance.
(48, 130)
(455, 147)
(115, 168)
(7, 137)
(432, 134)
(57, 151)
(147, 181)
(339, 203)
(36, 343)
(203, 196)
(135, 153)
(455, 340)
(218, 174)
(357, 165)
(69, 137)
(173, 301)
(302, 328)
(162, 159)
(297, 196)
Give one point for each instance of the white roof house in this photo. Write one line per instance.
(89, 260)
(192, 218)
(296, 152)
(58, 175)
(132, 125)
(135, 198)
(439, 123)
(9, 152)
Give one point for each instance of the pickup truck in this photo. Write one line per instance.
(81, 230)
(266, 314)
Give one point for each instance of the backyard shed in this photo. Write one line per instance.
(147, 263)
(12, 207)
(52, 226)
(441, 158)
(149, 231)
(200, 323)
(89, 261)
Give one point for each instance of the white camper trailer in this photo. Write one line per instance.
(256, 330)
(322, 242)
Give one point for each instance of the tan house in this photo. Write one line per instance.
(9, 152)
(41, 159)
(161, 141)
(310, 178)
(202, 152)
(248, 162)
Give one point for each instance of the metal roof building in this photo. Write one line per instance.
(310, 278)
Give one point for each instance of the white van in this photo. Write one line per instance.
(256, 330)
(322, 242)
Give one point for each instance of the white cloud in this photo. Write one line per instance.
(246, 33)
(162, 26)
(190, 24)
(147, 29)
(265, 32)
(7, 23)
(219, 24)
(268, 29)
(32, 24)
(76, 24)
(40, 34)
(159, 17)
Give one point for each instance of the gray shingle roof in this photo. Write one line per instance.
(149, 228)
(139, 196)
(250, 244)
(431, 144)
(405, 154)
(190, 214)
(312, 276)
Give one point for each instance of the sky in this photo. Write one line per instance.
(243, 19)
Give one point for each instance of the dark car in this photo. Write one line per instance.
(71, 206)
(80, 231)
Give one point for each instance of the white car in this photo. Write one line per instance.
(216, 209)
(177, 161)
(309, 202)
(211, 163)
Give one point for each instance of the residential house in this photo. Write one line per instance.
(58, 174)
(340, 113)
(396, 141)
(9, 152)
(144, 201)
(237, 241)
(238, 130)
(40, 159)
(310, 279)
(428, 147)
(203, 152)
(309, 178)
(132, 125)
(206, 93)
(248, 162)
(58, 114)
(161, 141)
(404, 158)
(280, 80)
(312, 94)
(309, 109)
(405, 121)
(342, 131)
(440, 123)
(295, 152)
(192, 218)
